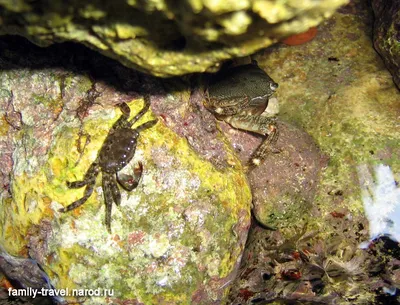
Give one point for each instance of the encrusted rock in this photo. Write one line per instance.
(284, 185)
(165, 38)
(177, 238)
(337, 90)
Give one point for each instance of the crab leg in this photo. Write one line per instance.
(258, 124)
(116, 195)
(141, 112)
(229, 106)
(108, 199)
(91, 172)
(88, 191)
(146, 125)
(123, 120)
(76, 184)
(261, 125)
(265, 147)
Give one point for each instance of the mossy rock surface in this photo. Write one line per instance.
(337, 89)
(176, 239)
(165, 38)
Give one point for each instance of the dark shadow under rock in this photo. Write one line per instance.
(387, 34)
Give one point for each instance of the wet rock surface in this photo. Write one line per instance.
(284, 185)
(315, 267)
(338, 122)
(165, 38)
(176, 238)
(337, 94)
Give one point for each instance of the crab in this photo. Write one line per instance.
(239, 96)
(117, 151)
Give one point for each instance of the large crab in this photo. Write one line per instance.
(239, 96)
(117, 150)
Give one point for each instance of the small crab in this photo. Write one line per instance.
(117, 150)
(239, 96)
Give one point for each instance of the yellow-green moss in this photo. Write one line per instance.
(39, 195)
(345, 99)
(164, 38)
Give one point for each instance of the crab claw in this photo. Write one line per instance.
(129, 182)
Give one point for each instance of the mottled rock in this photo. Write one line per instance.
(284, 185)
(176, 239)
(387, 34)
(165, 38)
(336, 89)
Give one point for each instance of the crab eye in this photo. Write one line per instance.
(273, 86)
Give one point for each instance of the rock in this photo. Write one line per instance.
(284, 186)
(336, 89)
(177, 238)
(387, 35)
(165, 38)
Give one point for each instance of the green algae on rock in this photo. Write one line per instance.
(161, 37)
(177, 238)
(346, 101)
(337, 89)
(284, 187)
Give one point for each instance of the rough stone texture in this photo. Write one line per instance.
(334, 88)
(176, 239)
(284, 185)
(161, 37)
(387, 34)
(337, 89)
